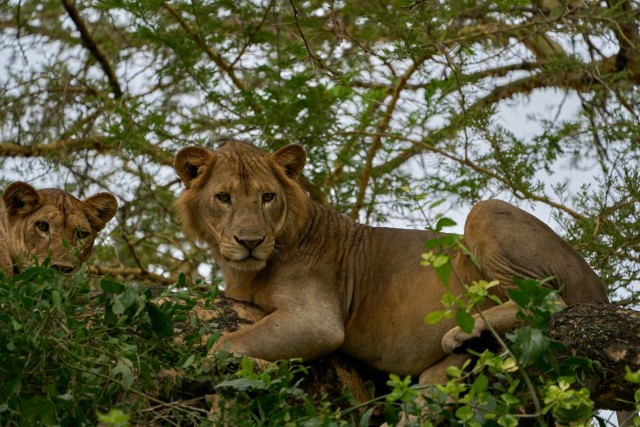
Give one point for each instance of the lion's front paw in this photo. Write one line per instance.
(261, 365)
(456, 337)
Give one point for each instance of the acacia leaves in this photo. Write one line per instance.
(68, 352)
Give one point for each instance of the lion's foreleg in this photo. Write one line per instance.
(437, 374)
(286, 335)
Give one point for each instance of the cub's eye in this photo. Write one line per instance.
(267, 197)
(224, 198)
(82, 234)
(42, 226)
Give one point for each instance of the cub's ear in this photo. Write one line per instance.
(20, 198)
(190, 163)
(100, 208)
(291, 159)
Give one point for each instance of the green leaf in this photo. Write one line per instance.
(631, 376)
(464, 413)
(529, 344)
(443, 272)
(434, 317)
(465, 321)
(480, 384)
(56, 297)
(109, 285)
(160, 321)
(113, 418)
(189, 361)
(444, 222)
(124, 368)
(364, 419)
(509, 399)
(507, 420)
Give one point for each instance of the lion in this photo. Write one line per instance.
(329, 283)
(36, 224)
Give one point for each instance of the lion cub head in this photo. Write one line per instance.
(240, 200)
(50, 222)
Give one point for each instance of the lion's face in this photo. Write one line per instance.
(236, 199)
(42, 223)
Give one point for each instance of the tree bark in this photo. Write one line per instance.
(609, 335)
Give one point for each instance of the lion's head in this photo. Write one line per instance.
(242, 201)
(50, 222)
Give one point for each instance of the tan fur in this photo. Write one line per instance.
(35, 224)
(332, 284)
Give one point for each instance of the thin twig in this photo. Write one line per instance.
(296, 16)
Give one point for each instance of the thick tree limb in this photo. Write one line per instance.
(97, 144)
(628, 36)
(124, 273)
(609, 335)
(60, 147)
(605, 333)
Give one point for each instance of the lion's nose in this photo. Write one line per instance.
(62, 268)
(249, 243)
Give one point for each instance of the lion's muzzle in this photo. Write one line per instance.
(250, 244)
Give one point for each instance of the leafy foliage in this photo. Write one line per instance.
(74, 357)
(70, 353)
(100, 94)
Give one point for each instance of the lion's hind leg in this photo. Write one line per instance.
(501, 319)
(510, 242)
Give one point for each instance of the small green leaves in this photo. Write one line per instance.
(632, 377)
(434, 317)
(529, 345)
(161, 322)
(465, 321)
(110, 285)
(567, 404)
(537, 300)
(440, 264)
(113, 418)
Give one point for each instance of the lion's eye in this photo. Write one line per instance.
(224, 197)
(42, 226)
(267, 197)
(82, 234)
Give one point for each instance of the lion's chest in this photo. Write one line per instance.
(255, 290)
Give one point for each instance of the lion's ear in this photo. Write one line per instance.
(291, 158)
(100, 208)
(189, 163)
(20, 198)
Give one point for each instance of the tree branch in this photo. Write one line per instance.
(63, 147)
(582, 81)
(376, 144)
(138, 274)
(90, 43)
(312, 56)
(628, 35)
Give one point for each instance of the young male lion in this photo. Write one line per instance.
(329, 283)
(40, 223)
